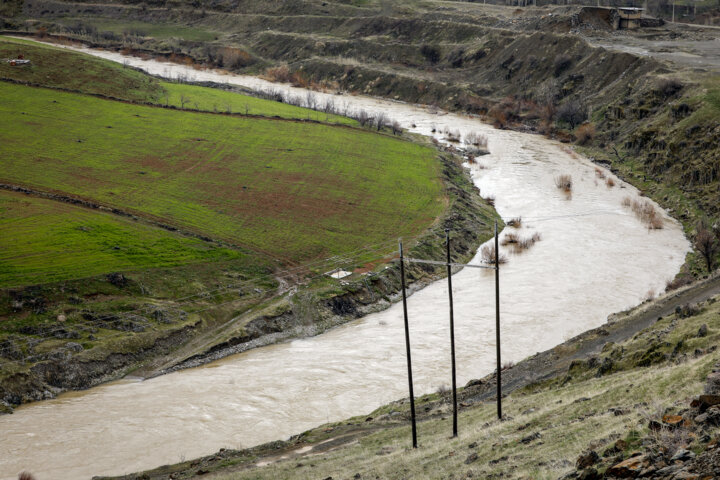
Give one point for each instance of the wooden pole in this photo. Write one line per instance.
(452, 335)
(407, 348)
(497, 324)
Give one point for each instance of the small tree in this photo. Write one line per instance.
(708, 244)
(183, 101)
(572, 112)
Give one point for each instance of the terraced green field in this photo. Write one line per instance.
(293, 190)
(44, 241)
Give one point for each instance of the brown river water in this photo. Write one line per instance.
(595, 258)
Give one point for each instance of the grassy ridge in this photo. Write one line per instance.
(59, 68)
(46, 241)
(292, 190)
(56, 67)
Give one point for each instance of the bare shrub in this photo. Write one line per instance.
(564, 182)
(507, 365)
(26, 476)
(510, 239)
(452, 136)
(515, 222)
(311, 100)
(363, 117)
(680, 281)
(520, 244)
(585, 133)
(280, 74)
(610, 182)
(471, 159)
(490, 200)
(667, 87)
(380, 120)
(396, 128)
(476, 139)
(499, 117)
(487, 254)
(599, 173)
(646, 212)
(329, 106)
(233, 57)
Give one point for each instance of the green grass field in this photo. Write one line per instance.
(45, 241)
(291, 189)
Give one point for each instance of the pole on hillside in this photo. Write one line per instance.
(497, 323)
(452, 335)
(407, 347)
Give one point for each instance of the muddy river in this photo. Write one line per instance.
(595, 258)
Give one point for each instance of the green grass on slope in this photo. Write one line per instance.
(55, 67)
(45, 241)
(60, 68)
(214, 100)
(291, 189)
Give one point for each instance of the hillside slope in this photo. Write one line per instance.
(134, 231)
(654, 122)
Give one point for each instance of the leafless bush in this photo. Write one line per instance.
(476, 139)
(646, 212)
(610, 182)
(515, 222)
(564, 182)
(452, 136)
(26, 476)
(507, 365)
(510, 239)
(518, 243)
(599, 173)
(278, 74)
(677, 282)
(380, 120)
(487, 254)
(490, 200)
(329, 106)
(311, 100)
(396, 128)
(362, 117)
(585, 133)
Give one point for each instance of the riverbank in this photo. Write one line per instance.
(588, 392)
